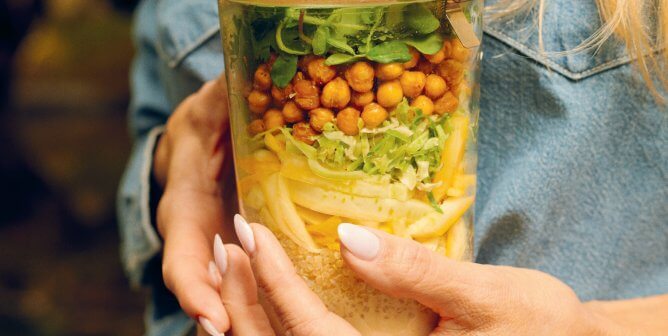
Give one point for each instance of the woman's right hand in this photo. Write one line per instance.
(470, 299)
(188, 164)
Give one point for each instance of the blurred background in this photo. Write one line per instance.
(63, 145)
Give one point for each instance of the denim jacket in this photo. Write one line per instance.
(573, 152)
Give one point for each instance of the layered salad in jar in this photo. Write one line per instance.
(355, 114)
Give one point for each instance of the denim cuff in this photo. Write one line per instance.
(139, 238)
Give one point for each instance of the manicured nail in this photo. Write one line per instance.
(209, 327)
(219, 254)
(214, 274)
(245, 234)
(361, 242)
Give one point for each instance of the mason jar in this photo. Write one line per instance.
(360, 112)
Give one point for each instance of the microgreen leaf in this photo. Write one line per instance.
(336, 59)
(289, 37)
(320, 38)
(388, 52)
(284, 68)
(347, 21)
(377, 18)
(419, 18)
(341, 44)
(429, 44)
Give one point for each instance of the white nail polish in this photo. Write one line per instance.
(361, 242)
(245, 234)
(214, 274)
(220, 254)
(209, 327)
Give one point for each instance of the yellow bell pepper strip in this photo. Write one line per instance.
(452, 155)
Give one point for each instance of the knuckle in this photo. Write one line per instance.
(200, 116)
(268, 285)
(297, 325)
(411, 268)
(293, 322)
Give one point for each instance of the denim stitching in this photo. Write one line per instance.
(551, 64)
(162, 53)
(528, 51)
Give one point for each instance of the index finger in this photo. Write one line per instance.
(300, 311)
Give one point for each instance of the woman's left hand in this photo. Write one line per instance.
(469, 298)
(265, 265)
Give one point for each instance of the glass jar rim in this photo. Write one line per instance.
(324, 3)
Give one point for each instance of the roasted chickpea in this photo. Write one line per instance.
(319, 72)
(412, 83)
(457, 51)
(307, 94)
(347, 119)
(336, 94)
(389, 71)
(439, 56)
(262, 78)
(415, 58)
(292, 113)
(273, 119)
(462, 87)
(303, 132)
(447, 48)
(298, 76)
(304, 61)
(319, 117)
(360, 76)
(258, 101)
(452, 71)
(373, 115)
(425, 67)
(446, 104)
(435, 86)
(281, 96)
(424, 103)
(390, 93)
(256, 127)
(362, 99)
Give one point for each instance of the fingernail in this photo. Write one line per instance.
(245, 234)
(219, 254)
(214, 274)
(209, 327)
(361, 242)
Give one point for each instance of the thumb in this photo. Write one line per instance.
(403, 268)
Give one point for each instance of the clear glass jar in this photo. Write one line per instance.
(355, 111)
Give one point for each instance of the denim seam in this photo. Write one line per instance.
(531, 53)
(182, 53)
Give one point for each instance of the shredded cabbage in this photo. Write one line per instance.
(409, 178)
(405, 149)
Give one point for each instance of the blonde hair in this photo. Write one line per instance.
(641, 24)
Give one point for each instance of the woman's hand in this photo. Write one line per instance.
(469, 298)
(474, 299)
(188, 164)
(295, 307)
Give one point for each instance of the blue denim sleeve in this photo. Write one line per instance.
(149, 111)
